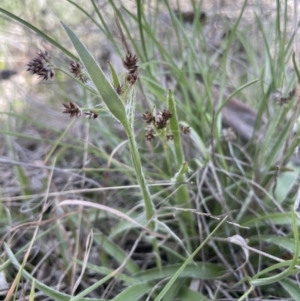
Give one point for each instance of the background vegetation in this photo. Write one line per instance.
(73, 220)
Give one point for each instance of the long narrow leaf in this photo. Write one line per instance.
(116, 252)
(184, 265)
(198, 270)
(41, 286)
(133, 292)
(102, 83)
(190, 295)
(292, 288)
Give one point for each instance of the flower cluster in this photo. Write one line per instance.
(120, 90)
(149, 133)
(184, 129)
(161, 119)
(78, 71)
(147, 116)
(157, 122)
(283, 100)
(73, 109)
(42, 65)
(130, 64)
(91, 115)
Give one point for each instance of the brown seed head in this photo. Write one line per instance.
(130, 64)
(170, 137)
(283, 100)
(72, 109)
(42, 65)
(91, 115)
(167, 114)
(149, 133)
(147, 116)
(149, 136)
(160, 120)
(78, 71)
(185, 129)
(120, 90)
(132, 78)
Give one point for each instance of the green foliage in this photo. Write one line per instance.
(178, 190)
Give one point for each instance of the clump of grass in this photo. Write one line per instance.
(166, 195)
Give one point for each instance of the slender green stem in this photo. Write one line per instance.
(182, 193)
(149, 207)
(156, 251)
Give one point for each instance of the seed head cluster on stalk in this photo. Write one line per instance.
(119, 99)
(130, 64)
(42, 65)
(72, 109)
(78, 71)
(159, 123)
(283, 100)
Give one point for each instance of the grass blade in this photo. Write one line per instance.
(133, 292)
(102, 83)
(39, 32)
(184, 265)
(44, 288)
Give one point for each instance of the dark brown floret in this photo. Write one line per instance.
(149, 136)
(158, 122)
(78, 71)
(147, 116)
(132, 78)
(167, 114)
(170, 137)
(185, 129)
(161, 119)
(130, 64)
(91, 115)
(149, 133)
(72, 109)
(42, 65)
(120, 90)
(283, 100)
